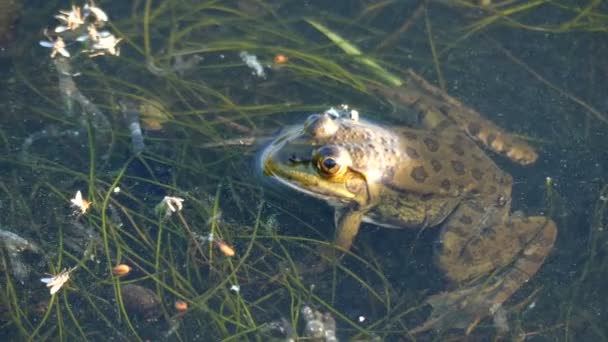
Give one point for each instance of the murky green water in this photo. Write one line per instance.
(534, 68)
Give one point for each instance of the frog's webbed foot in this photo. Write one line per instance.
(460, 309)
(465, 307)
(347, 227)
(323, 260)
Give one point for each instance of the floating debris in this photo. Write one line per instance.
(56, 282)
(51, 131)
(282, 328)
(153, 115)
(82, 239)
(182, 64)
(253, 63)
(131, 116)
(15, 245)
(141, 302)
(319, 327)
(90, 114)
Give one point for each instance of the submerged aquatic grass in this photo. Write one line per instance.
(210, 102)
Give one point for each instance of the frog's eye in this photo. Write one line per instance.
(332, 161)
(330, 165)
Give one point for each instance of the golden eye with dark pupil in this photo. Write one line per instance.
(330, 165)
(332, 161)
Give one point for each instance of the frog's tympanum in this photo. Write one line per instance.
(436, 175)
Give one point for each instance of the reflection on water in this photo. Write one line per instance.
(169, 106)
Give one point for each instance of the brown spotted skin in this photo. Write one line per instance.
(437, 175)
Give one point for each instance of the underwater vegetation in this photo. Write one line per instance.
(10, 10)
(130, 183)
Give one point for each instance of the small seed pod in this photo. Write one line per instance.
(281, 59)
(121, 270)
(180, 305)
(225, 248)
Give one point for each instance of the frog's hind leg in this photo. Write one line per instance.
(513, 252)
(436, 107)
(434, 100)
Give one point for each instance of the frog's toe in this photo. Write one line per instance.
(316, 263)
(522, 154)
(464, 308)
(460, 309)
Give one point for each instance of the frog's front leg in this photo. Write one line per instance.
(514, 250)
(347, 222)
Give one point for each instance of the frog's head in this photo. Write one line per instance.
(329, 157)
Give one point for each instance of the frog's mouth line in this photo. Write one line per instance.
(296, 169)
(302, 177)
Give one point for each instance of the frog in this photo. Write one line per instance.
(437, 173)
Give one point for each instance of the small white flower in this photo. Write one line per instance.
(174, 203)
(57, 46)
(116, 190)
(98, 13)
(106, 42)
(92, 34)
(80, 204)
(56, 282)
(169, 205)
(71, 19)
(235, 288)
